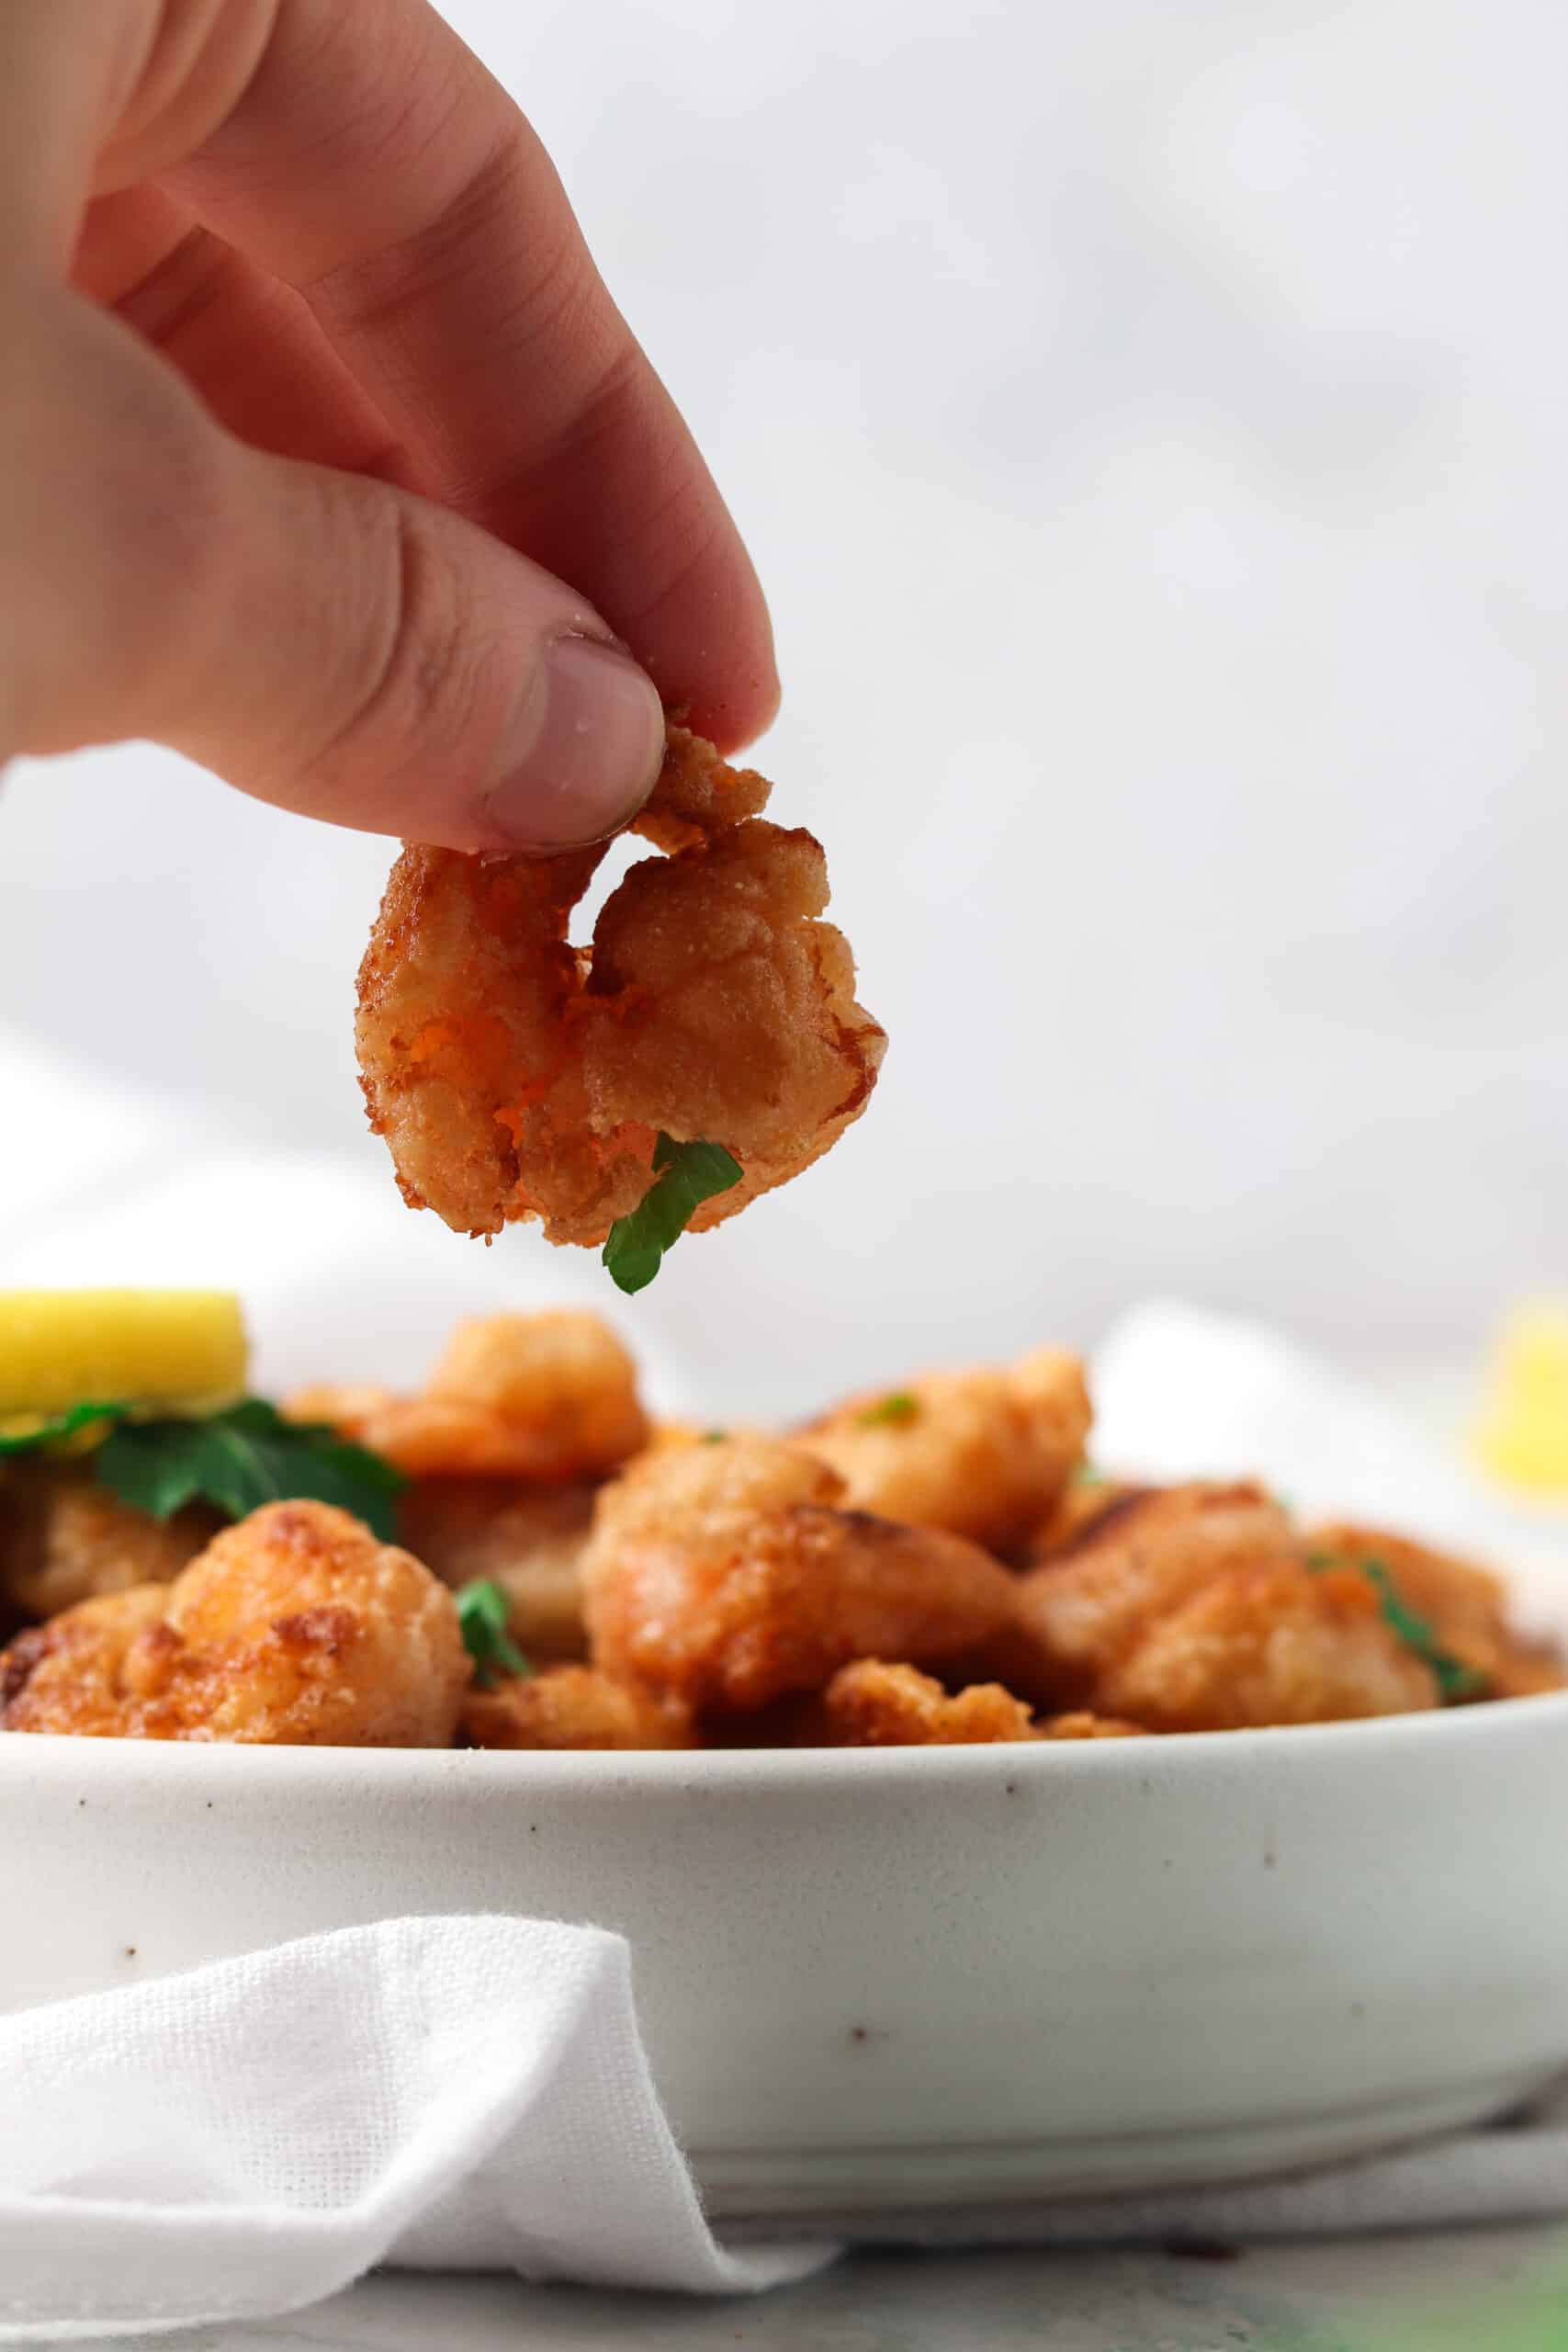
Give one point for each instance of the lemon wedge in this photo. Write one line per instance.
(175, 1350)
(1522, 1437)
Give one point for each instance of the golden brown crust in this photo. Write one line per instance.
(516, 1077)
(1465, 1605)
(985, 1453)
(1085, 1606)
(873, 1704)
(529, 1540)
(294, 1627)
(66, 1538)
(548, 1397)
(725, 1574)
(1272, 1644)
(573, 1707)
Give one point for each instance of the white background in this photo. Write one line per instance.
(1149, 422)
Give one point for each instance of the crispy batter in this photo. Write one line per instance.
(66, 1538)
(551, 1396)
(725, 1574)
(529, 1540)
(983, 1454)
(1080, 1725)
(1085, 1605)
(516, 1077)
(873, 1704)
(1465, 1605)
(1272, 1644)
(574, 1706)
(294, 1627)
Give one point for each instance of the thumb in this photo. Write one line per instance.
(324, 641)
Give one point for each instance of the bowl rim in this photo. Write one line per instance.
(60, 1756)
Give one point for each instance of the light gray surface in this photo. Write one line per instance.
(1272, 2299)
(1149, 420)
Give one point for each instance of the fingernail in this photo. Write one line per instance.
(592, 742)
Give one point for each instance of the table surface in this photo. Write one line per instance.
(1310, 2297)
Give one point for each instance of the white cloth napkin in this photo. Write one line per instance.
(250, 2137)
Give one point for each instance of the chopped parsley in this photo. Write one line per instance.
(243, 1458)
(889, 1412)
(684, 1176)
(1086, 1475)
(482, 1614)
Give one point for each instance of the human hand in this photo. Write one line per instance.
(300, 342)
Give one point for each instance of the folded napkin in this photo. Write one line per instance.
(252, 2136)
(473, 2092)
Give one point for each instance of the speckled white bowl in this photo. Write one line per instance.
(907, 1976)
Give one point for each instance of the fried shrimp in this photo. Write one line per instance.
(1272, 1644)
(574, 1706)
(983, 1454)
(872, 1704)
(727, 1575)
(1465, 1605)
(548, 1397)
(1085, 1606)
(66, 1538)
(514, 1076)
(294, 1627)
(529, 1540)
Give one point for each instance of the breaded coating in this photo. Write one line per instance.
(1274, 1644)
(1465, 1605)
(873, 1704)
(294, 1627)
(529, 1540)
(514, 1076)
(983, 1454)
(573, 1706)
(66, 1539)
(1145, 1551)
(71, 1675)
(551, 1396)
(725, 1575)
(1082, 1726)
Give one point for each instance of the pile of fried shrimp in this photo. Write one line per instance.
(936, 1564)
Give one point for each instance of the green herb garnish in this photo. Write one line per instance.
(482, 1614)
(243, 1458)
(61, 1425)
(1454, 1680)
(889, 1411)
(684, 1176)
(712, 1437)
(1086, 1475)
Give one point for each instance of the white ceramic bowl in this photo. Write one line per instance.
(903, 1976)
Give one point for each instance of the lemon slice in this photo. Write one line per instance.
(175, 1351)
(1522, 1437)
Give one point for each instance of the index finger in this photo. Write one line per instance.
(372, 164)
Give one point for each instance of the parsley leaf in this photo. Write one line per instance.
(481, 1613)
(684, 1176)
(889, 1411)
(243, 1458)
(59, 1425)
(1454, 1680)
